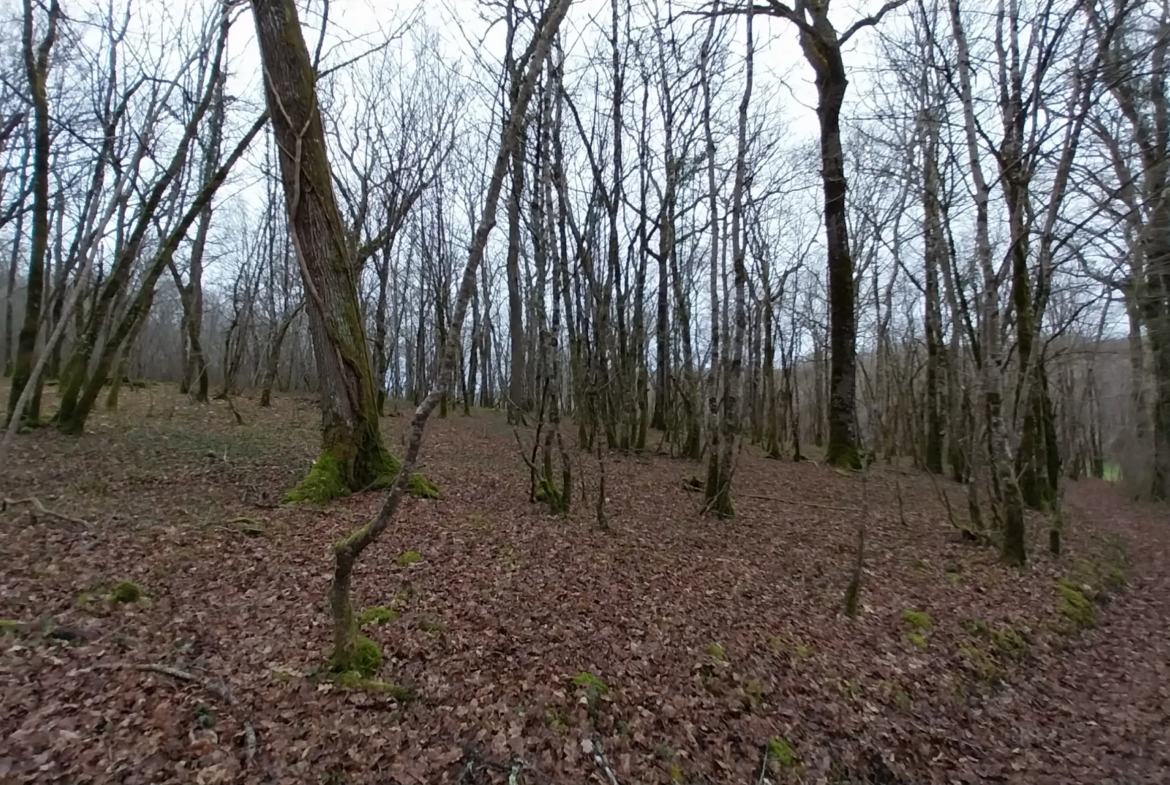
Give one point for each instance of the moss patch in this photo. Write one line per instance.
(422, 488)
(715, 652)
(431, 625)
(781, 751)
(367, 658)
(591, 683)
(379, 614)
(126, 592)
(324, 482)
(408, 558)
(1075, 606)
(354, 680)
(9, 626)
(918, 620)
(916, 639)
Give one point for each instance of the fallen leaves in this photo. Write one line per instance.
(508, 623)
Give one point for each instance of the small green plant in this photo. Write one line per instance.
(1075, 606)
(754, 689)
(715, 652)
(126, 592)
(781, 751)
(675, 772)
(802, 652)
(981, 661)
(431, 625)
(590, 683)
(204, 717)
(902, 700)
(408, 558)
(918, 620)
(916, 639)
(555, 721)
(9, 626)
(379, 614)
(1010, 642)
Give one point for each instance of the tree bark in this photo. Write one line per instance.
(352, 453)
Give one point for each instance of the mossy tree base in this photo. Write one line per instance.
(843, 456)
(329, 479)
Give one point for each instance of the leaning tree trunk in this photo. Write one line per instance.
(352, 455)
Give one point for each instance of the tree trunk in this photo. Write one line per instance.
(352, 454)
(36, 63)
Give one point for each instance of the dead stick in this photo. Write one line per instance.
(603, 764)
(216, 688)
(801, 504)
(35, 503)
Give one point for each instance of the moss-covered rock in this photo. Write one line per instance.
(126, 592)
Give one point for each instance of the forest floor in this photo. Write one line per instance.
(541, 650)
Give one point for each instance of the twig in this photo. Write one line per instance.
(602, 763)
(763, 768)
(801, 504)
(35, 503)
(216, 688)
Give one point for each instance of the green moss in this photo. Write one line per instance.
(408, 558)
(367, 658)
(981, 661)
(977, 627)
(422, 488)
(354, 680)
(715, 652)
(379, 614)
(675, 772)
(325, 482)
(126, 592)
(354, 535)
(1075, 606)
(754, 689)
(431, 625)
(9, 626)
(555, 721)
(591, 683)
(916, 639)
(918, 620)
(802, 652)
(1010, 642)
(781, 751)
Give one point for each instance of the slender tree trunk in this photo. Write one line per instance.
(36, 64)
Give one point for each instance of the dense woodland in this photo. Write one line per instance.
(918, 239)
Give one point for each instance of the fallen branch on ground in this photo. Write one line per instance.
(216, 688)
(35, 503)
(801, 504)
